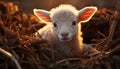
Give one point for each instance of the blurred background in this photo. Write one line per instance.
(28, 5)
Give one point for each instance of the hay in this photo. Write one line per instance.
(17, 37)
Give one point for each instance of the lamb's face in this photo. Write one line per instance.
(65, 25)
(65, 19)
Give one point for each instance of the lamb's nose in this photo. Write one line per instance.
(64, 34)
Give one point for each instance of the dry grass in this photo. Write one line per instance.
(17, 37)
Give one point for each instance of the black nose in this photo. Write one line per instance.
(64, 34)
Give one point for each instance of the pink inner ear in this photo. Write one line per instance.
(43, 17)
(86, 14)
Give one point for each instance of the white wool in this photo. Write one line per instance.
(64, 8)
(63, 12)
(63, 15)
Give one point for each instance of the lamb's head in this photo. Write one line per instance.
(65, 19)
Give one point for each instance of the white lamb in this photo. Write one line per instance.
(63, 29)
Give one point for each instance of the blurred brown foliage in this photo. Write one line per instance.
(29, 5)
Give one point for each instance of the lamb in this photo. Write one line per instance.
(63, 29)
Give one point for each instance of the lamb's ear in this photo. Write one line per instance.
(43, 15)
(86, 14)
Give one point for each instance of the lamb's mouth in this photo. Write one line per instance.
(65, 39)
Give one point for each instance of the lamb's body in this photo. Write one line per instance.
(64, 49)
(63, 33)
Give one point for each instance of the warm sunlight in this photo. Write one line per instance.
(59, 34)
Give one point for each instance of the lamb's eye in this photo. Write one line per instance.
(55, 25)
(73, 23)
